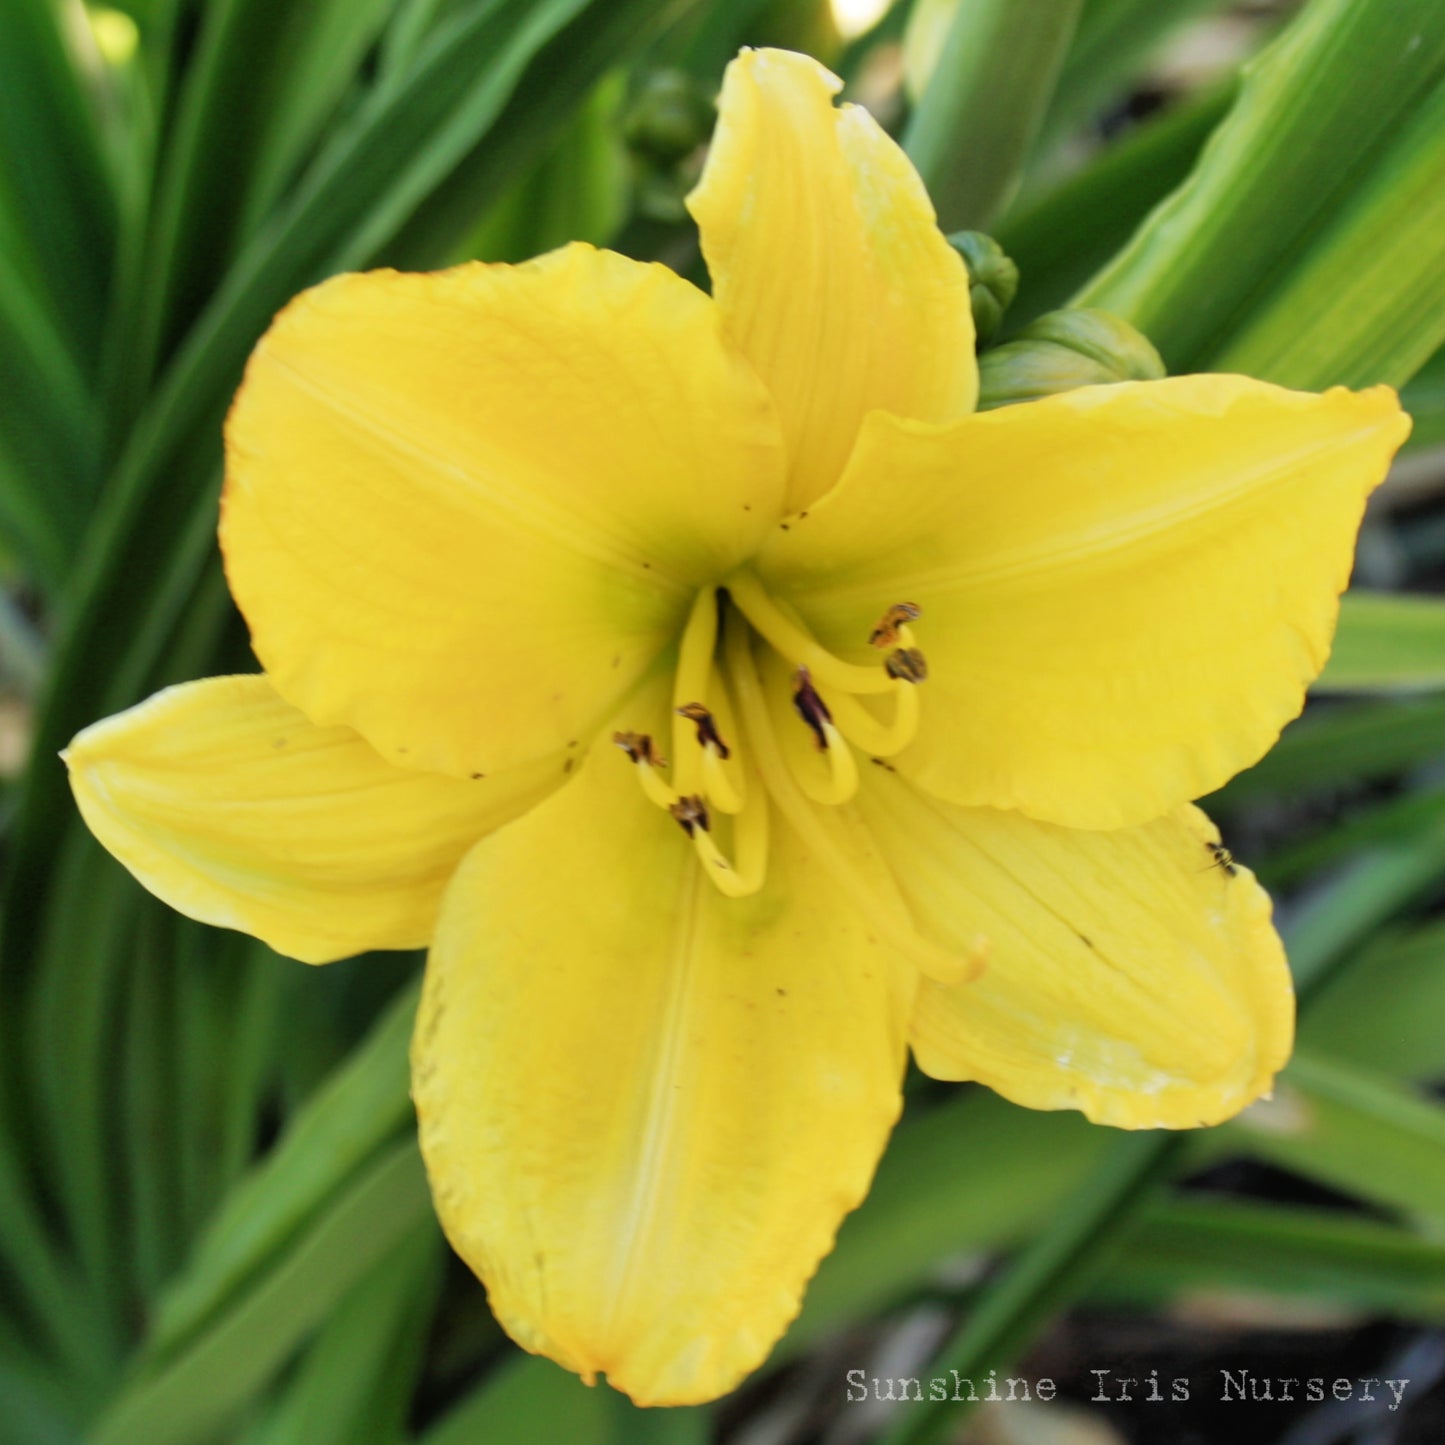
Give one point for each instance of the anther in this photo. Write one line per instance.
(640, 748)
(886, 629)
(707, 733)
(811, 708)
(691, 814)
(906, 664)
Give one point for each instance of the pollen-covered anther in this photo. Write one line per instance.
(811, 708)
(906, 664)
(842, 773)
(691, 814)
(707, 733)
(640, 748)
(888, 629)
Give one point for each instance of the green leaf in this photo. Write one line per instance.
(50, 432)
(264, 74)
(356, 1380)
(1356, 1131)
(34, 1409)
(1386, 641)
(579, 192)
(1368, 302)
(151, 545)
(1213, 1246)
(191, 1394)
(73, 1008)
(529, 1400)
(1347, 908)
(1049, 1273)
(29, 526)
(1424, 399)
(1348, 743)
(1382, 1010)
(45, 1297)
(570, 64)
(1389, 824)
(342, 1126)
(55, 191)
(316, 63)
(148, 1083)
(1317, 111)
(976, 120)
(1115, 39)
(1060, 237)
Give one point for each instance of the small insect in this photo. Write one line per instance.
(1223, 858)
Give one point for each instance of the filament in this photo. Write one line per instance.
(795, 643)
(694, 667)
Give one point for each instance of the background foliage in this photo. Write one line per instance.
(213, 1223)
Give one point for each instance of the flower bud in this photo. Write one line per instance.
(993, 279)
(668, 118)
(1063, 350)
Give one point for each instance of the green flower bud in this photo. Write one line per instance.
(1063, 350)
(993, 279)
(669, 117)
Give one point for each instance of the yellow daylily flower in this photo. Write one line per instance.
(937, 688)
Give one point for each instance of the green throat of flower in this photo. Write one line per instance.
(729, 756)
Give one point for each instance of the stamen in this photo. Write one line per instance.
(863, 730)
(639, 747)
(907, 664)
(888, 627)
(691, 814)
(707, 733)
(715, 752)
(842, 765)
(794, 643)
(810, 707)
(723, 774)
(842, 771)
(719, 787)
(750, 841)
(694, 666)
(880, 912)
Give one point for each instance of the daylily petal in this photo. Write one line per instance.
(1125, 589)
(464, 511)
(1128, 974)
(229, 805)
(828, 264)
(645, 1107)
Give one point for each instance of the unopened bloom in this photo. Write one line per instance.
(728, 707)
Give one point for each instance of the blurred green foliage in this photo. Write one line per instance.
(213, 1223)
